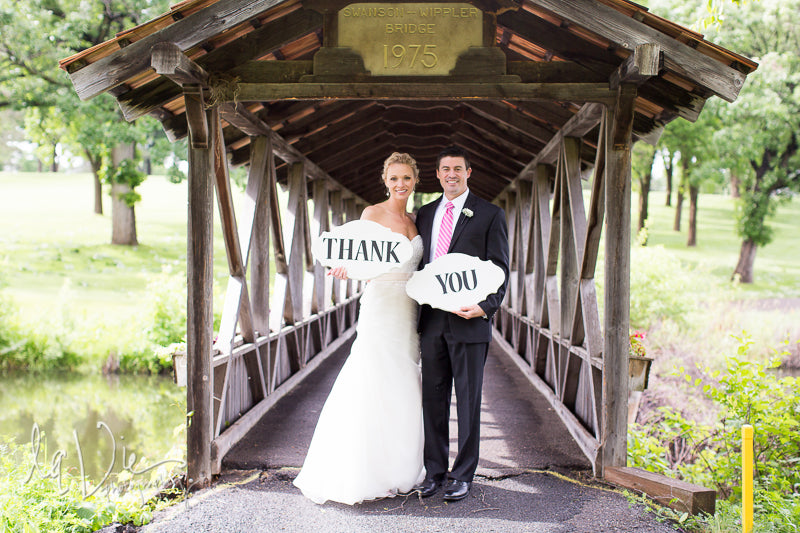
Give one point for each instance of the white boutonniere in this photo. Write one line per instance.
(467, 212)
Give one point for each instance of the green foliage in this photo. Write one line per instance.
(49, 349)
(125, 173)
(175, 174)
(32, 502)
(38, 33)
(45, 127)
(65, 342)
(166, 308)
(760, 133)
(659, 287)
(746, 392)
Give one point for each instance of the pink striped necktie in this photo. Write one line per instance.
(445, 231)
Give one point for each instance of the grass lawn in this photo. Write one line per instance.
(54, 251)
(777, 266)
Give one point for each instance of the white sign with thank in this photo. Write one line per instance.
(455, 280)
(365, 248)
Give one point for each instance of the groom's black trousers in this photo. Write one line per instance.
(446, 361)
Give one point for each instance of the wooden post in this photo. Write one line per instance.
(199, 327)
(337, 219)
(617, 281)
(261, 160)
(319, 299)
(237, 300)
(351, 213)
(526, 254)
(296, 220)
(541, 234)
(510, 204)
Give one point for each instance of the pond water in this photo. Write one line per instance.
(788, 372)
(95, 420)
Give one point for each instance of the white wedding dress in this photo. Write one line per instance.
(369, 438)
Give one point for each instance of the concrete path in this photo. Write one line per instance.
(532, 476)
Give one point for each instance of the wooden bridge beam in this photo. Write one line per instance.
(261, 164)
(319, 224)
(617, 280)
(200, 319)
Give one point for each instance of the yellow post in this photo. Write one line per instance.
(747, 478)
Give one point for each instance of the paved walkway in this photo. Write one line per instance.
(532, 476)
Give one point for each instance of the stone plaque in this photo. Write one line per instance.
(454, 281)
(410, 39)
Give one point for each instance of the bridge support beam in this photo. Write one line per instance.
(614, 432)
(200, 320)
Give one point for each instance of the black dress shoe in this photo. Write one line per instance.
(456, 490)
(428, 487)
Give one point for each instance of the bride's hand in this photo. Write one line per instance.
(338, 273)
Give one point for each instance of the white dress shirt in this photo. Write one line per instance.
(458, 205)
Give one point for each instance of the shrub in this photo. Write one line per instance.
(658, 287)
(711, 455)
(21, 349)
(32, 501)
(166, 308)
(67, 341)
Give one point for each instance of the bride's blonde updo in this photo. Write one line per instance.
(403, 159)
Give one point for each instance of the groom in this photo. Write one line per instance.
(454, 345)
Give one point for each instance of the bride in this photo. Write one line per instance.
(368, 441)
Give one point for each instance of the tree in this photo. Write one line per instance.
(45, 127)
(692, 143)
(668, 157)
(36, 35)
(643, 158)
(759, 140)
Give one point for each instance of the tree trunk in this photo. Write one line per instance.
(691, 239)
(747, 259)
(644, 186)
(54, 164)
(644, 193)
(735, 186)
(96, 163)
(676, 226)
(681, 190)
(123, 217)
(98, 193)
(668, 168)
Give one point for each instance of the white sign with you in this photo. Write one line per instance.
(365, 248)
(454, 281)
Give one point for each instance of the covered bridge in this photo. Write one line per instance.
(546, 95)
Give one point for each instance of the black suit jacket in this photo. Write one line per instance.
(483, 235)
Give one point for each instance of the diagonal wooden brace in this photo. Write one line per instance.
(168, 60)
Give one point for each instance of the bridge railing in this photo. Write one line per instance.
(281, 315)
(550, 321)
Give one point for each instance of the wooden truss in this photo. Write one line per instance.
(257, 356)
(550, 321)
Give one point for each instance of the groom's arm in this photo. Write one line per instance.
(497, 253)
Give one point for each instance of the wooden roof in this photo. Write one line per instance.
(548, 44)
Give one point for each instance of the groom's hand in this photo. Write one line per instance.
(470, 311)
